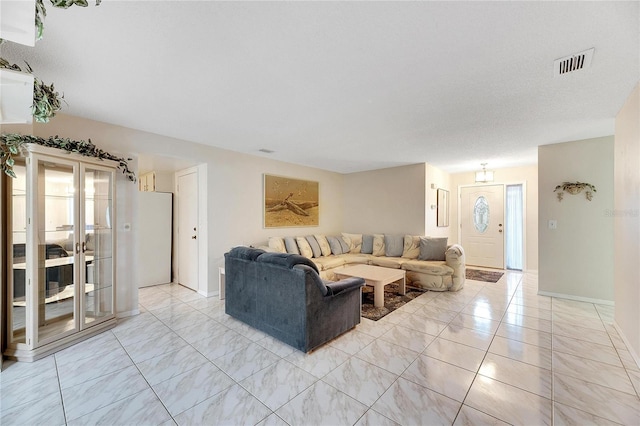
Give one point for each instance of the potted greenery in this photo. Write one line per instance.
(574, 188)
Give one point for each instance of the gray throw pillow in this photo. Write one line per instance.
(291, 245)
(367, 244)
(433, 248)
(345, 246)
(336, 247)
(315, 247)
(393, 245)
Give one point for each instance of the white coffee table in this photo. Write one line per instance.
(376, 277)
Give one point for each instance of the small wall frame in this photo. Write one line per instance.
(443, 208)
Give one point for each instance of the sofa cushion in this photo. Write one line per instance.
(411, 249)
(378, 245)
(277, 244)
(304, 247)
(336, 247)
(329, 262)
(354, 241)
(367, 244)
(290, 244)
(432, 248)
(359, 258)
(433, 267)
(344, 244)
(393, 245)
(245, 253)
(315, 247)
(287, 260)
(388, 262)
(325, 248)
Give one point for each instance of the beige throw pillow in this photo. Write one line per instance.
(378, 245)
(325, 248)
(411, 249)
(305, 248)
(354, 241)
(277, 244)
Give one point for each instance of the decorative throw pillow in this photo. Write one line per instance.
(367, 244)
(378, 245)
(277, 244)
(354, 241)
(336, 247)
(344, 245)
(411, 249)
(393, 245)
(433, 248)
(324, 245)
(314, 245)
(305, 248)
(290, 244)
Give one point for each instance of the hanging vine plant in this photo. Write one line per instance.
(41, 11)
(46, 101)
(11, 144)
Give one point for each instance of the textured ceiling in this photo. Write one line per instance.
(346, 86)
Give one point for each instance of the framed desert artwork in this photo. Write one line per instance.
(290, 202)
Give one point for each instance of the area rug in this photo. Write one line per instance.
(487, 276)
(392, 300)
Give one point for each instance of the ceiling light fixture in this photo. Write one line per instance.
(484, 176)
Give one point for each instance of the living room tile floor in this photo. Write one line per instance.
(489, 354)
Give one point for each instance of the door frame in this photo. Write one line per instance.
(203, 233)
(504, 202)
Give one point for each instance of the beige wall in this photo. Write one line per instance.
(234, 194)
(527, 175)
(438, 179)
(576, 259)
(386, 201)
(626, 220)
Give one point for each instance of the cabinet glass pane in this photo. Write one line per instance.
(55, 260)
(18, 240)
(98, 211)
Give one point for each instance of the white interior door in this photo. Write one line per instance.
(482, 225)
(187, 201)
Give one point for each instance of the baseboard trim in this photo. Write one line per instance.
(126, 314)
(633, 353)
(577, 298)
(209, 294)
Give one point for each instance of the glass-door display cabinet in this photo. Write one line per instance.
(60, 250)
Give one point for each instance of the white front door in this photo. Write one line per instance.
(187, 201)
(482, 225)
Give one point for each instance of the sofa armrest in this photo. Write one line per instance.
(346, 284)
(455, 259)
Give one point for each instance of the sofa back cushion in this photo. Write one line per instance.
(433, 248)
(393, 245)
(411, 249)
(324, 245)
(286, 260)
(344, 244)
(354, 241)
(290, 244)
(336, 247)
(304, 247)
(315, 247)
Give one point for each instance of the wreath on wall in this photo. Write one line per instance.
(11, 145)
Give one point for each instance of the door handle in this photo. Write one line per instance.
(193, 237)
(499, 230)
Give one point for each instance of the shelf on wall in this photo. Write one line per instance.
(17, 21)
(16, 97)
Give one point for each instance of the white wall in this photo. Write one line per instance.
(576, 259)
(234, 193)
(386, 201)
(527, 175)
(439, 179)
(626, 219)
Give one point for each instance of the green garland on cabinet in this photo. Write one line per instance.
(10, 145)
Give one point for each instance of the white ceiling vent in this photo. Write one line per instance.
(575, 62)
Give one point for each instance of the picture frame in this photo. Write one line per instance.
(290, 202)
(443, 208)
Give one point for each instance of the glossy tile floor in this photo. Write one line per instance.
(489, 354)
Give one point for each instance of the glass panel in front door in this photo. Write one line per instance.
(55, 274)
(97, 247)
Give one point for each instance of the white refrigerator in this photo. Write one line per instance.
(155, 226)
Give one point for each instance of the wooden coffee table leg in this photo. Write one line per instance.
(403, 285)
(378, 295)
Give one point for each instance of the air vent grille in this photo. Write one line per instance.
(572, 63)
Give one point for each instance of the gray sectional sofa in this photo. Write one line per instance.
(282, 295)
(430, 263)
